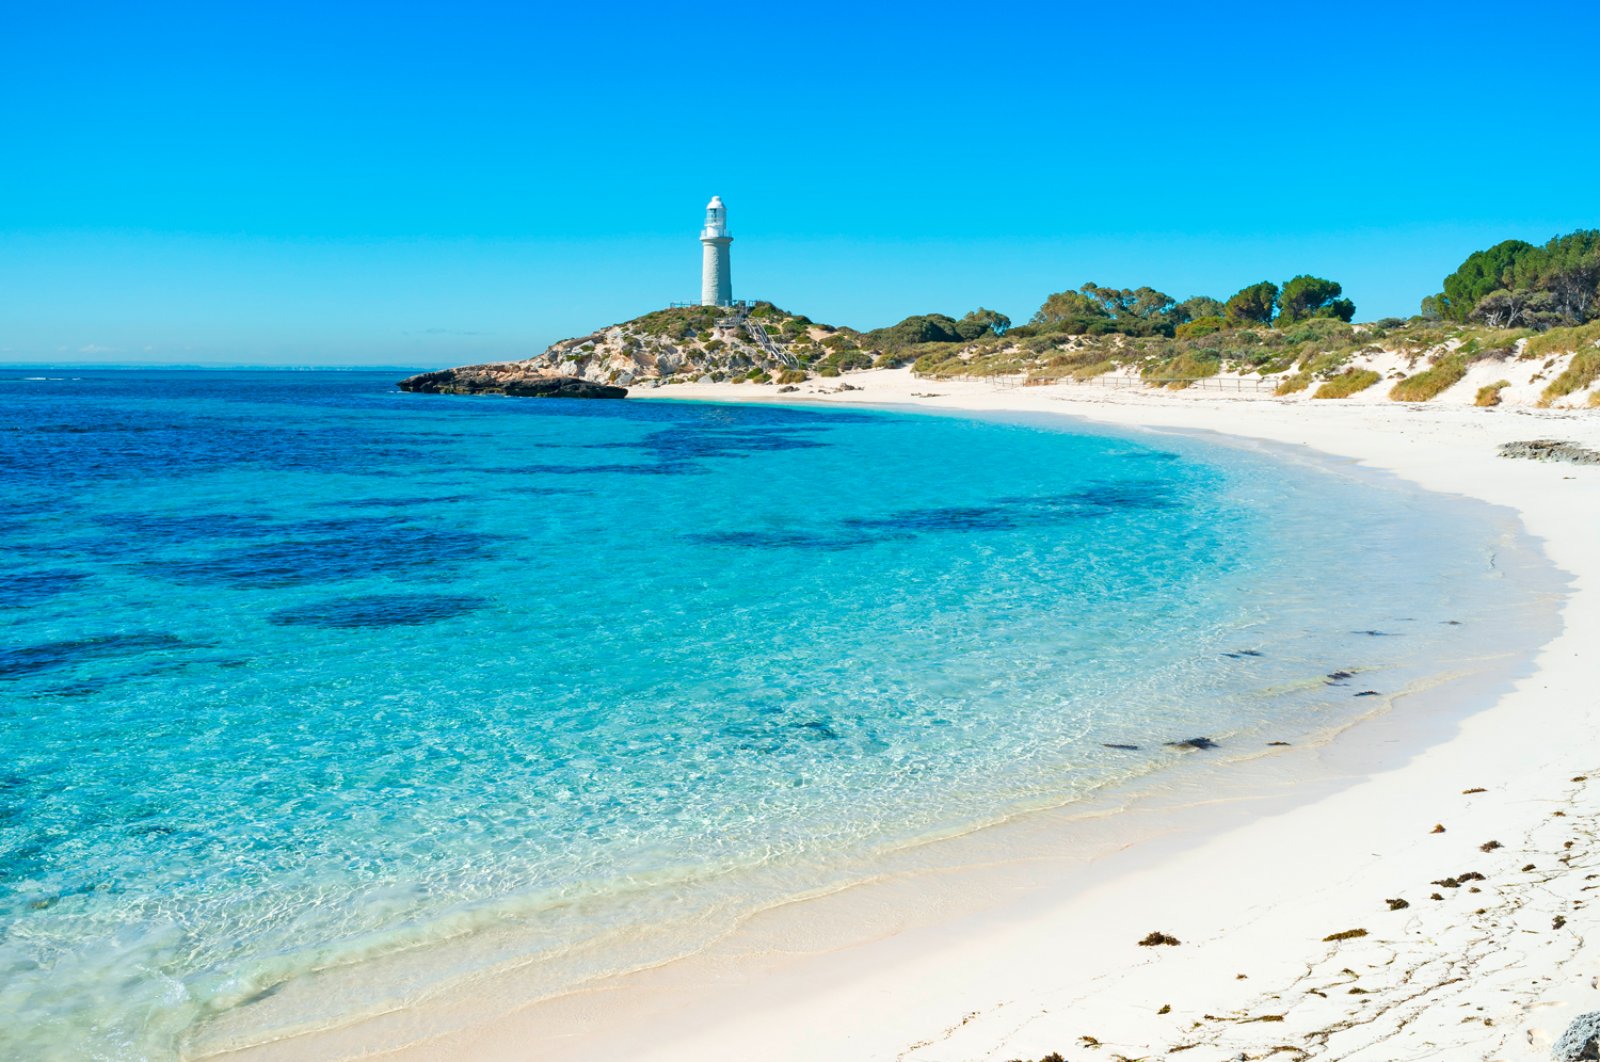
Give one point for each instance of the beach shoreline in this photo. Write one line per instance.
(1251, 878)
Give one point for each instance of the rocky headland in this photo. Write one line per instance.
(518, 379)
(1388, 361)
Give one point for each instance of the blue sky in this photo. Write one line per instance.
(433, 183)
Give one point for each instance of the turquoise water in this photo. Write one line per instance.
(298, 672)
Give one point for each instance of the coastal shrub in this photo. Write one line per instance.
(1291, 384)
(1430, 383)
(1489, 394)
(1594, 400)
(1319, 330)
(1201, 326)
(998, 364)
(759, 376)
(792, 376)
(918, 328)
(1322, 363)
(828, 370)
(848, 361)
(1347, 383)
(1581, 371)
(1089, 372)
(1189, 365)
(938, 363)
(1271, 363)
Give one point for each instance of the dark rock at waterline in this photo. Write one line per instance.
(1124, 748)
(1193, 743)
(1551, 450)
(518, 381)
(1368, 693)
(1581, 1041)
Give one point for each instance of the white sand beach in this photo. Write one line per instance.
(1023, 940)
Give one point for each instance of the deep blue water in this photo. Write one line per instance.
(297, 671)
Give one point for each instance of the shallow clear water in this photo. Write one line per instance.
(296, 670)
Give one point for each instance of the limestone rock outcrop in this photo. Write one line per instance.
(518, 379)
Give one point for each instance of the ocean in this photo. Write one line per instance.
(308, 682)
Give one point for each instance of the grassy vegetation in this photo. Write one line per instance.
(1430, 383)
(1581, 371)
(1090, 371)
(1562, 340)
(1292, 384)
(1489, 394)
(1313, 353)
(1188, 365)
(1347, 383)
(1318, 349)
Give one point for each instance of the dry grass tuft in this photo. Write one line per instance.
(1347, 383)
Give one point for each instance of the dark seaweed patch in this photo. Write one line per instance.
(380, 610)
(398, 503)
(818, 730)
(21, 589)
(538, 490)
(1004, 515)
(162, 529)
(396, 549)
(51, 656)
(655, 469)
(823, 542)
(946, 518)
(692, 443)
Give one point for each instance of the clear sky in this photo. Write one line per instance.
(399, 183)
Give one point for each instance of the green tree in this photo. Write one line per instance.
(1568, 267)
(1148, 304)
(919, 328)
(1196, 308)
(1068, 306)
(1517, 308)
(1201, 326)
(1481, 273)
(982, 322)
(1307, 296)
(1253, 305)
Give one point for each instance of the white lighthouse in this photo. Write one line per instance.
(716, 275)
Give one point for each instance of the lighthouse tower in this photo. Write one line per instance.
(716, 276)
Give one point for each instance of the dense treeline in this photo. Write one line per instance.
(1093, 310)
(1515, 284)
